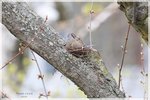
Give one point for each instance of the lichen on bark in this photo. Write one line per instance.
(137, 15)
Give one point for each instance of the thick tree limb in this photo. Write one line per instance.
(137, 15)
(91, 77)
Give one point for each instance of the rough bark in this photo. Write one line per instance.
(137, 15)
(23, 23)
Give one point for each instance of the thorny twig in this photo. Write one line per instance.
(123, 56)
(41, 76)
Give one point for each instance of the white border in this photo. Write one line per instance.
(74, 0)
(148, 50)
(0, 47)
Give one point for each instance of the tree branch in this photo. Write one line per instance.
(91, 77)
(137, 15)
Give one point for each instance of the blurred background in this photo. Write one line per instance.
(109, 27)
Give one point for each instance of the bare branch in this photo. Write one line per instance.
(41, 76)
(123, 56)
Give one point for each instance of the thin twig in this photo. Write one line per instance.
(41, 75)
(98, 20)
(142, 58)
(22, 50)
(122, 86)
(143, 72)
(4, 95)
(90, 31)
(16, 55)
(123, 56)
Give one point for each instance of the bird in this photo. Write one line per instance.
(75, 46)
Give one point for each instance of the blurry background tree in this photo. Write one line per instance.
(107, 38)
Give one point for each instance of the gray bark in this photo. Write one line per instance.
(24, 24)
(137, 15)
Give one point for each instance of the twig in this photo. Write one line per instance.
(142, 58)
(4, 95)
(122, 86)
(16, 55)
(22, 50)
(41, 76)
(90, 32)
(144, 74)
(123, 56)
(99, 19)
